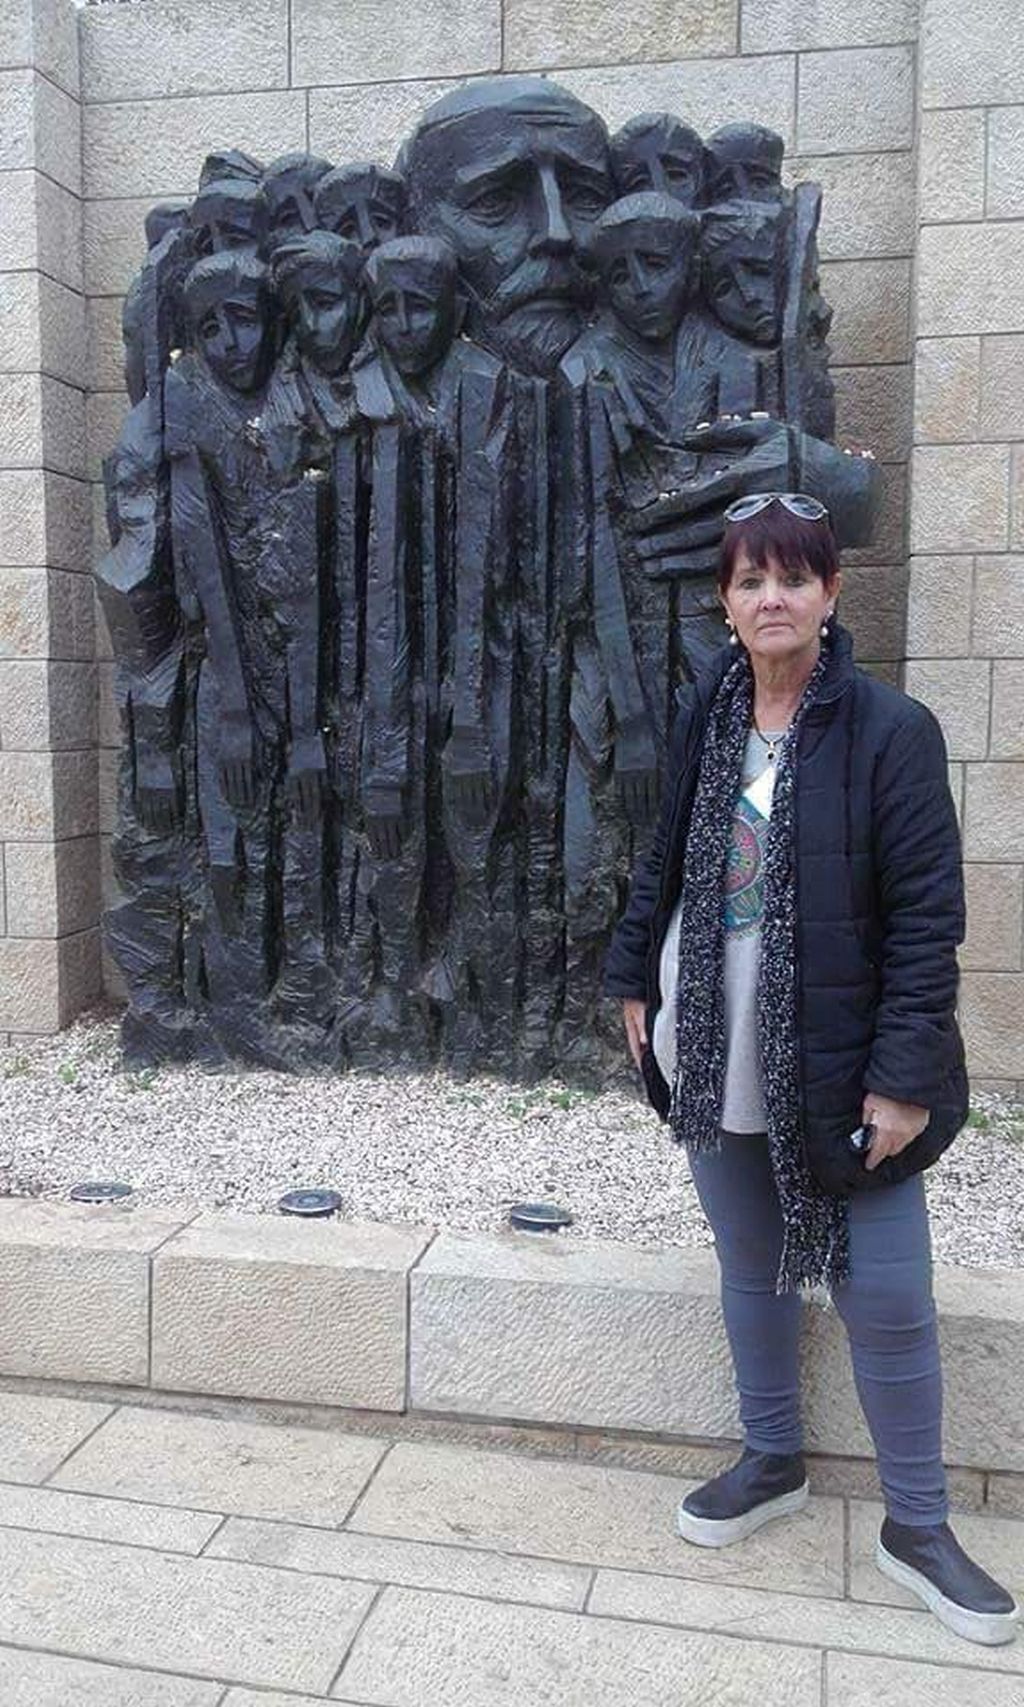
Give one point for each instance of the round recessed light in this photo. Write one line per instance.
(99, 1191)
(539, 1217)
(311, 1201)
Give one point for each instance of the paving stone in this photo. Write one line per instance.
(166, 49)
(552, 33)
(590, 1514)
(212, 1464)
(253, 1698)
(1006, 1495)
(267, 1308)
(786, 1618)
(427, 1650)
(126, 1521)
(47, 1680)
(36, 1434)
(415, 1564)
(75, 1284)
(373, 40)
(863, 1682)
(995, 1543)
(207, 1617)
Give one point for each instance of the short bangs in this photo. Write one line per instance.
(776, 532)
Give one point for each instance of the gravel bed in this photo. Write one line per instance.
(419, 1147)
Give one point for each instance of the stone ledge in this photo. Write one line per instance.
(504, 1332)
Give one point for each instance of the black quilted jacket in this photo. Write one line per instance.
(880, 913)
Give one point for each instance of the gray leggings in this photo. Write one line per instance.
(886, 1307)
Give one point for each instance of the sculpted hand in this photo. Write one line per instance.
(305, 781)
(634, 1015)
(636, 775)
(467, 771)
(157, 803)
(237, 760)
(385, 823)
(759, 453)
(896, 1124)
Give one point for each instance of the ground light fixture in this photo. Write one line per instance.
(99, 1191)
(310, 1200)
(539, 1217)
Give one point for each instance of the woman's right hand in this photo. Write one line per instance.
(634, 1016)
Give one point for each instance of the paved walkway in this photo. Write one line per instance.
(154, 1559)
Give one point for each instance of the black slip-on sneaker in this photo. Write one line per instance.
(760, 1487)
(930, 1562)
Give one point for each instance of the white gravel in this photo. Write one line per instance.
(419, 1148)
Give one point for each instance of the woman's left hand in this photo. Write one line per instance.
(896, 1125)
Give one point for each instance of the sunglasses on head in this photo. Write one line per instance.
(797, 503)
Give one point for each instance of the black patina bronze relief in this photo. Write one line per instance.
(414, 521)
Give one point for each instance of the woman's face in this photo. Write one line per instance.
(778, 609)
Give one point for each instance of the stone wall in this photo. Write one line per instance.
(965, 638)
(162, 82)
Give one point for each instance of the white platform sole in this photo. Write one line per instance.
(989, 1628)
(723, 1531)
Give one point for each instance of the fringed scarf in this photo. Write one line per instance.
(816, 1246)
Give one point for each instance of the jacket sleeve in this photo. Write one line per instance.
(625, 968)
(919, 883)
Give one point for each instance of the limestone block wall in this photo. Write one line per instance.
(965, 640)
(864, 108)
(49, 852)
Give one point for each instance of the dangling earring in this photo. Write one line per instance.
(824, 630)
(734, 638)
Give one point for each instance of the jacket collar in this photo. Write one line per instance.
(838, 678)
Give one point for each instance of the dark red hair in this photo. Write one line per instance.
(776, 532)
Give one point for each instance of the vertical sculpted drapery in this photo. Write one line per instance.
(414, 520)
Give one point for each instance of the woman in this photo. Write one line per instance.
(808, 846)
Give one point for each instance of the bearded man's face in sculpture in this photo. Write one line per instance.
(234, 334)
(514, 180)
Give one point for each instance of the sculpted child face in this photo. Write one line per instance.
(744, 283)
(660, 154)
(364, 206)
(327, 312)
(414, 305)
(228, 215)
(234, 334)
(646, 269)
(744, 163)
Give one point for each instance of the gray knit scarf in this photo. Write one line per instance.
(816, 1245)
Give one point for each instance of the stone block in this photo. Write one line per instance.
(106, 346)
(113, 243)
(466, 1355)
(994, 827)
(971, 55)
(871, 310)
(998, 627)
(36, 1434)
(995, 918)
(1005, 177)
(24, 614)
(24, 705)
(29, 1001)
(1006, 1495)
(104, 645)
(855, 98)
(156, 148)
(1017, 498)
(75, 1282)
(957, 690)
(108, 763)
(109, 721)
(769, 26)
(708, 92)
(960, 498)
(951, 166)
(868, 207)
(1007, 709)
(447, 1644)
(43, 33)
(415, 1564)
(21, 420)
(163, 49)
(74, 794)
(68, 520)
(582, 1513)
(542, 34)
(200, 1617)
(874, 602)
(58, 135)
(18, 220)
(890, 534)
(105, 413)
(970, 278)
(374, 42)
(873, 409)
(52, 889)
(17, 120)
(369, 121)
(20, 343)
(72, 630)
(269, 1309)
(285, 1475)
(62, 331)
(26, 796)
(947, 390)
(939, 607)
(1001, 410)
